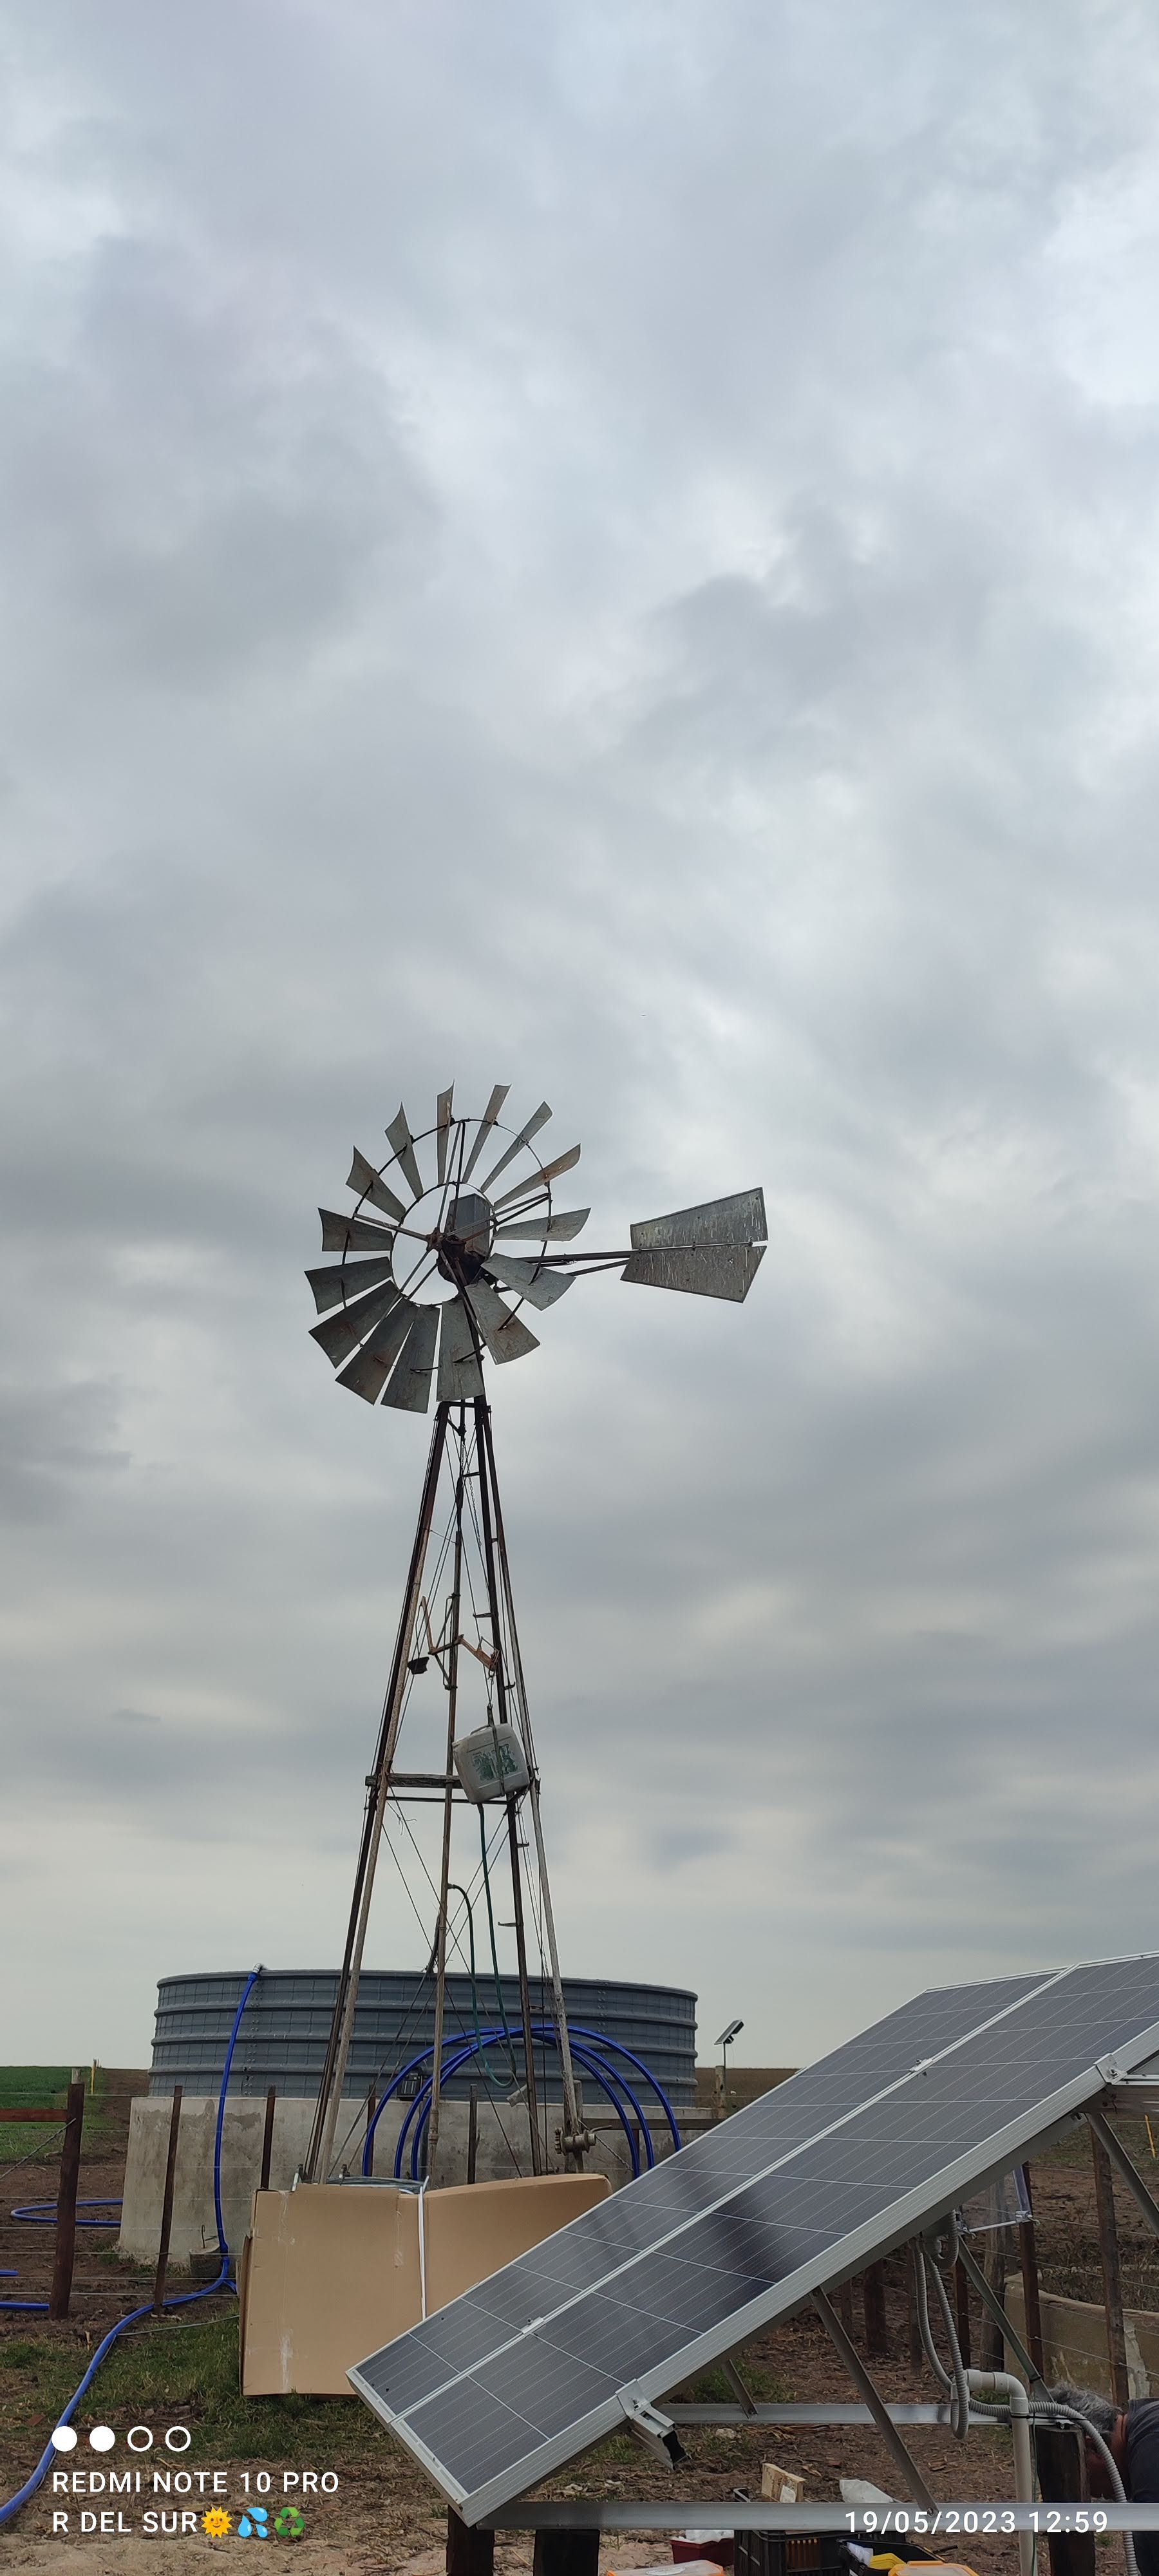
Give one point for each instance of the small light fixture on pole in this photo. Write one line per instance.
(724, 2043)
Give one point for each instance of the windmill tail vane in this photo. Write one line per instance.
(419, 1292)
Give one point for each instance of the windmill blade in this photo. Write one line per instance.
(342, 1281)
(699, 1272)
(486, 1124)
(342, 1333)
(540, 1287)
(443, 1123)
(709, 1251)
(399, 1135)
(353, 1233)
(370, 1185)
(553, 1229)
(540, 1119)
(460, 1376)
(550, 1172)
(368, 1373)
(506, 1337)
(720, 1223)
(410, 1384)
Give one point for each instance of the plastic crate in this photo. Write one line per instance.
(790, 2553)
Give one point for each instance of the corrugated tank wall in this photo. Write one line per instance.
(283, 2035)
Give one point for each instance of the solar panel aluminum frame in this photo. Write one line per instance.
(915, 2210)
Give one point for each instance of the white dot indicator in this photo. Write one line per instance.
(63, 2437)
(102, 2437)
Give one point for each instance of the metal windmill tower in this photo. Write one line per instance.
(425, 1286)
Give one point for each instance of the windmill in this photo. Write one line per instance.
(451, 1242)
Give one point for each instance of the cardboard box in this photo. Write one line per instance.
(330, 2272)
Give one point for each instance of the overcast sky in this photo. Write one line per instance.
(611, 548)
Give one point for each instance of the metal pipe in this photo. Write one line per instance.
(802, 2414)
(1001, 2385)
(915, 2484)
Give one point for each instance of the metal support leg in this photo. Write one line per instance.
(994, 2308)
(742, 2393)
(1131, 2176)
(915, 2484)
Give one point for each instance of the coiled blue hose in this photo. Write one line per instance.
(611, 2084)
(186, 2298)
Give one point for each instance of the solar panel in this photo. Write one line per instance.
(803, 2188)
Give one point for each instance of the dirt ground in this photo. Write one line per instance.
(386, 2520)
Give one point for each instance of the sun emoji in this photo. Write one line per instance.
(215, 2522)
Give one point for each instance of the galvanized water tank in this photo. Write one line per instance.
(282, 2040)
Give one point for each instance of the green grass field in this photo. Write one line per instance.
(45, 2088)
(181, 2371)
(40, 2088)
(190, 2372)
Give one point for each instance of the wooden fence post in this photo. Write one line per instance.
(992, 2354)
(66, 2202)
(962, 2311)
(873, 2301)
(1028, 2258)
(469, 2552)
(566, 2553)
(167, 2204)
(1112, 2278)
(1058, 2459)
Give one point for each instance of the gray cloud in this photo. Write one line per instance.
(610, 551)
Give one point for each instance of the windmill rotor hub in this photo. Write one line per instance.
(464, 1242)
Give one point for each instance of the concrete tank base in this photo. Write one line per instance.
(502, 2129)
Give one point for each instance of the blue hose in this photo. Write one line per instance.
(186, 2298)
(609, 2083)
(545, 2031)
(42, 2213)
(247, 1991)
